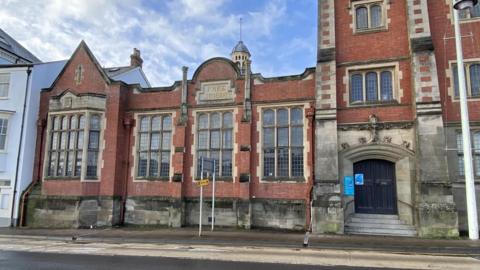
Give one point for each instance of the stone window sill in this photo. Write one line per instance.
(283, 179)
(151, 179)
(370, 30)
(62, 179)
(374, 103)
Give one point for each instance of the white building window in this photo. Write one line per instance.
(4, 84)
(74, 145)
(215, 141)
(369, 15)
(154, 147)
(282, 143)
(3, 133)
(475, 138)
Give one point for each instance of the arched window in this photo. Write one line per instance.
(376, 16)
(361, 17)
(475, 80)
(356, 88)
(386, 89)
(372, 86)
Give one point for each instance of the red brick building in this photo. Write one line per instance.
(370, 138)
(113, 153)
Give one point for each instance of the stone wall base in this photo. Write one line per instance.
(84, 212)
(327, 213)
(279, 214)
(154, 211)
(72, 212)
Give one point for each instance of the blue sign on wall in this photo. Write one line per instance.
(348, 187)
(359, 179)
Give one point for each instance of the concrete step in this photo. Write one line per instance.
(375, 216)
(376, 221)
(377, 231)
(380, 226)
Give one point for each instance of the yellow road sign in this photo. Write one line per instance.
(203, 182)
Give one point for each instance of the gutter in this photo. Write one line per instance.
(12, 222)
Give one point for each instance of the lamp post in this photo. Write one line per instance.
(467, 145)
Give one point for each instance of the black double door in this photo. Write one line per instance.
(378, 193)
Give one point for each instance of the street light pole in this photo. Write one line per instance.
(467, 145)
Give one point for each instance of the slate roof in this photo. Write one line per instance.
(11, 45)
(115, 71)
(241, 47)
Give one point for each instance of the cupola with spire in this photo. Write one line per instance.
(240, 53)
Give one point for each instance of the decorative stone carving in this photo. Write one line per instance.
(379, 126)
(345, 146)
(387, 139)
(406, 144)
(78, 78)
(362, 140)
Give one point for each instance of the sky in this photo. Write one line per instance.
(280, 34)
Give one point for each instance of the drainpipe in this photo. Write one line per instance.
(311, 114)
(42, 125)
(12, 223)
(128, 124)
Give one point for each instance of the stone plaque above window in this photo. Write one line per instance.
(216, 92)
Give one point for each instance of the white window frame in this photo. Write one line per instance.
(368, 4)
(7, 118)
(6, 83)
(101, 145)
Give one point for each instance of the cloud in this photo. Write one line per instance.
(169, 33)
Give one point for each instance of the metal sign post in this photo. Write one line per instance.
(213, 195)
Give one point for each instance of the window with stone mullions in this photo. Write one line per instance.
(66, 148)
(371, 86)
(472, 79)
(215, 141)
(475, 138)
(154, 146)
(283, 143)
(368, 16)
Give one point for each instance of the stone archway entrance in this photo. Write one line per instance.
(378, 193)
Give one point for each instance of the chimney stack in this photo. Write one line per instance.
(135, 59)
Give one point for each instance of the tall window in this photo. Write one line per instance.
(371, 86)
(154, 146)
(4, 85)
(470, 13)
(472, 76)
(282, 143)
(475, 153)
(215, 141)
(3, 133)
(368, 16)
(66, 151)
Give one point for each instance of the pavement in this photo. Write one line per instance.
(254, 237)
(259, 246)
